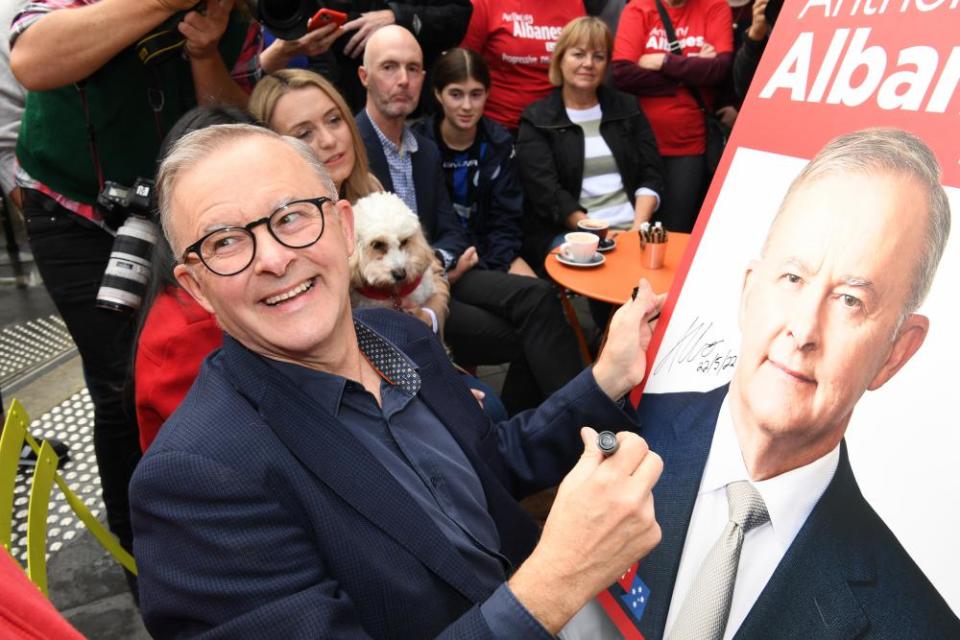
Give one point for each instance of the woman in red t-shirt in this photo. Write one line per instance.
(643, 66)
(516, 38)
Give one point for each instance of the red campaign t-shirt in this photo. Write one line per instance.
(516, 38)
(677, 121)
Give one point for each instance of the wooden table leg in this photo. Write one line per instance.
(575, 324)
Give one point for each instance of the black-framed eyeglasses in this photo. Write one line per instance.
(230, 250)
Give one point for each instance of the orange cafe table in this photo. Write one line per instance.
(614, 280)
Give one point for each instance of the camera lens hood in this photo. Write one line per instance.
(286, 19)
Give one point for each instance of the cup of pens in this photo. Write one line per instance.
(653, 245)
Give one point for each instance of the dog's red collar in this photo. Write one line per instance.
(395, 293)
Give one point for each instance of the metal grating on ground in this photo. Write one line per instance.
(71, 422)
(30, 345)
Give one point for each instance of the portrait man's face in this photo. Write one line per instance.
(287, 302)
(393, 72)
(821, 311)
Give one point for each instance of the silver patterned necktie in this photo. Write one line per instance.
(703, 615)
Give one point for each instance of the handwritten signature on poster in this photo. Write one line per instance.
(698, 349)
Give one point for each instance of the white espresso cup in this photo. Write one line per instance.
(580, 246)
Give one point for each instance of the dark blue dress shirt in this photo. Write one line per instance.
(413, 445)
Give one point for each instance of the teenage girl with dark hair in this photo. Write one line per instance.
(478, 161)
(518, 319)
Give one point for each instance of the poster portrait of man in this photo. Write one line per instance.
(829, 309)
(801, 387)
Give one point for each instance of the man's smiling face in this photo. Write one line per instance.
(289, 303)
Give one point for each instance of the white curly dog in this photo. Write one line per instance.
(393, 265)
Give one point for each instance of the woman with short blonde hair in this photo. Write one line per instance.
(586, 150)
(589, 32)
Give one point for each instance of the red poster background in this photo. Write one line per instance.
(782, 125)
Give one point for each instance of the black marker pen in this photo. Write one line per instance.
(607, 443)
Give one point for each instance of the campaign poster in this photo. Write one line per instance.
(833, 67)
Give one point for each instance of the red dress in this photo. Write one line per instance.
(176, 337)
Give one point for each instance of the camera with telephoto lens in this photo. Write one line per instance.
(128, 270)
(286, 19)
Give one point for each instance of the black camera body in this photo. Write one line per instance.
(118, 202)
(163, 43)
(287, 19)
(130, 211)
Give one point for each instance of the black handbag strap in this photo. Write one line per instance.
(676, 49)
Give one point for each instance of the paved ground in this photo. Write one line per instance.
(39, 367)
(86, 585)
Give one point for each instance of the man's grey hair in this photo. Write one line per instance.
(897, 152)
(196, 146)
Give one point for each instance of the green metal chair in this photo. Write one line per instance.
(45, 475)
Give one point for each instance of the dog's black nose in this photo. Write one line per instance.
(399, 274)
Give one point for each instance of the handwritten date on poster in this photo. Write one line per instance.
(697, 348)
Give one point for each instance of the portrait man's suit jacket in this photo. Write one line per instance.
(437, 217)
(845, 576)
(257, 514)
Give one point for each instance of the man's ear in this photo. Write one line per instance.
(362, 72)
(189, 283)
(911, 335)
(345, 214)
(749, 277)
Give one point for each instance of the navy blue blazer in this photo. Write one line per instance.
(258, 515)
(845, 576)
(437, 217)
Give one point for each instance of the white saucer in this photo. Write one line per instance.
(598, 259)
(607, 245)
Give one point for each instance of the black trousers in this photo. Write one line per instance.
(685, 186)
(498, 317)
(71, 254)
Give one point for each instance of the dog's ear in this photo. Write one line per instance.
(420, 251)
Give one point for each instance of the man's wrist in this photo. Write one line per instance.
(542, 598)
(758, 34)
(614, 387)
(507, 617)
(405, 17)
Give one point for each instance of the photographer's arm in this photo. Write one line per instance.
(214, 84)
(212, 81)
(68, 45)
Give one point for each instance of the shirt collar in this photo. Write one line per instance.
(394, 367)
(789, 497)
(408, 141)
(392, 364)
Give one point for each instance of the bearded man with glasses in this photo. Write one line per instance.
(329, 475)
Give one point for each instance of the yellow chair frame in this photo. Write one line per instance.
(45, 475)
